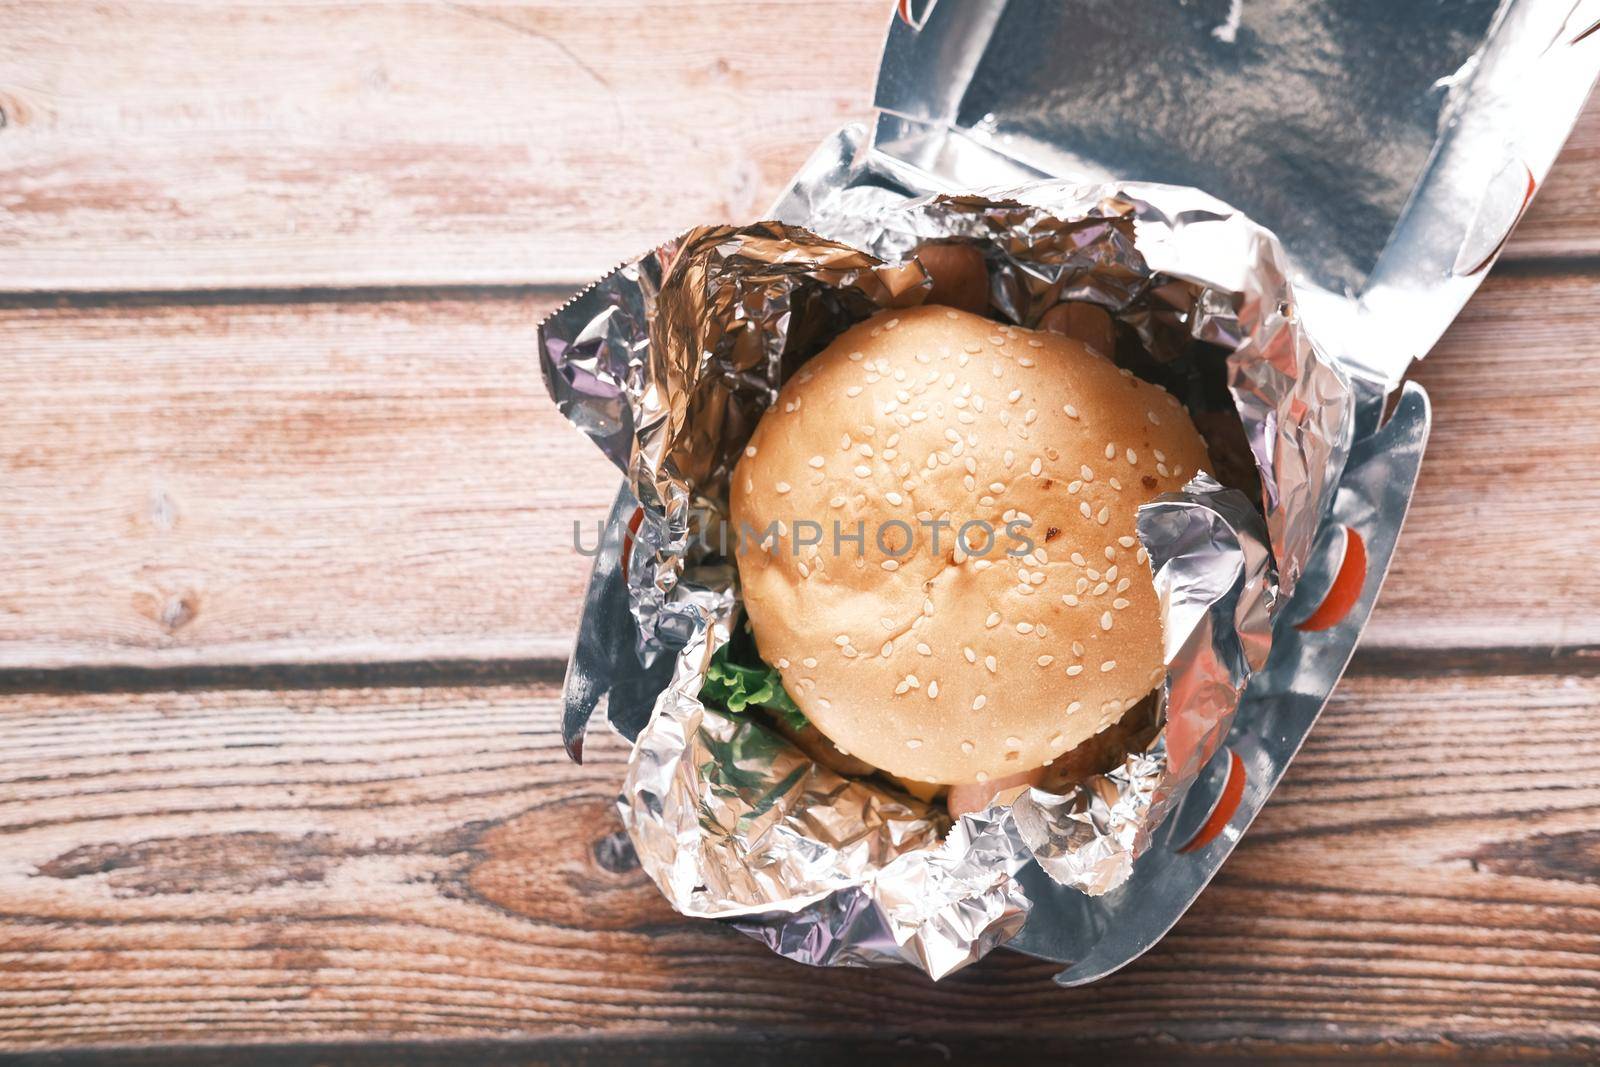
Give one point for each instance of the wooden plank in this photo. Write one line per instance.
(269, 483)
(160, 146)
(286, 483)
(256, 866)
(168, 146)
(1514, 385)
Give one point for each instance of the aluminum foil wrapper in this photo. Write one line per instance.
(669, 362)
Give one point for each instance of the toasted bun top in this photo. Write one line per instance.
(952, 666)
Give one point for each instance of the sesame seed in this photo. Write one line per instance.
(842, 640)
(866, 450)
(863, 471)
(918, 416)
(1034, 342)
(805, 572)
(1076, 485)
(972, 657)
(1029, 417)
(837, 502)
(1122, 585)
(996, 339)
(979, 701)
(809, 661)
(933, 688)
(1077, 648)
(923, 649)
(857, 357)
(913, 742)
(1161, 457)
(1125, 541)
(1086, 473)
(890, 564)
(790, 406)
(901, 689)
(983, 776)
(1075, 706)
(993, 620)
(1026, 362)
(1161, 469)
(1100, 589)
(1083, 583)
(1074, 670)
(1111, 553)
(1142, 555)
(997, 487)
(1115, 484)
(1119, 603)
(968, 747)
(972, 346)
(971, 465)
(886, 622)
(1104, 516)
(1094, 575)
(1071, 411)
(1036, 468)
(1108, 665)
(1083, 506)
(969, 483)
(1105, 620)
(893, 497)
(1013, 742)
(854, 390)
(887, 650)
(1111, 573)
(1045, 661)
(1014, 396)
(927, 606)
(1058, 740)
(1024, 627)
(892, 323)
(1069, 600)
(1154, 421)
(991, 663)
(951, 315)
(1133, 458)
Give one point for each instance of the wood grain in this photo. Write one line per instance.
(167, 146)
(263, 482)
(348, 482)
(152, 145)
(401, 863)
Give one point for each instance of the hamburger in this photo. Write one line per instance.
(938, 554)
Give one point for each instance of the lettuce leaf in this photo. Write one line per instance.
(739, 686)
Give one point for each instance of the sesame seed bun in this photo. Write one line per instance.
(947, 666)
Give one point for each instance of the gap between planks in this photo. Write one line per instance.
(1373, 662)
(1510, 263)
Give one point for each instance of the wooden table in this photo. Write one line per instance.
(287, 595)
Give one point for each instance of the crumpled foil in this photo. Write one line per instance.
(668, 363)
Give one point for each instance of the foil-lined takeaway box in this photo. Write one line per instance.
(1283, 203)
